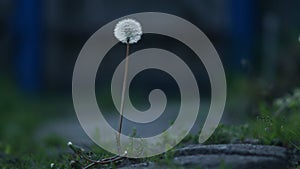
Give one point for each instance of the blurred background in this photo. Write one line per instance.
(258, 43)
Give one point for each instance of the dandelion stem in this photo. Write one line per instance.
(123, 99)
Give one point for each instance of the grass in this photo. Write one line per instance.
(21, 116)
(276, 124)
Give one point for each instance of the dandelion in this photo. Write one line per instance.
(127, 31)
(69, 143)
(52, 165)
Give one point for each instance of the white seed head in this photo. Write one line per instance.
(69, 143)
(128, 31)
(52, 165)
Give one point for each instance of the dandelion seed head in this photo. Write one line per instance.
(128, 31)
(52, 165)
(69, 143)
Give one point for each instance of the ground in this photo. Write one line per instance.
(270, 140)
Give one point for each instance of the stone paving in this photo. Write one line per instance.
(231, 156)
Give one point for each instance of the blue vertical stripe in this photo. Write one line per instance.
(28, 31)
